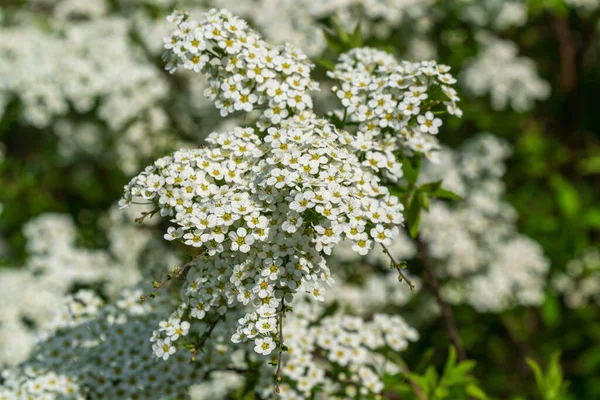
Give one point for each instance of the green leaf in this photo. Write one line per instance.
(475, 391)
(566, 195)
(424, 200)
(592, 218)
(356, 38)
(537, 372)
(554, 378)
(550, 311)
(590, 165)
(446, 194)
(398, 191)
(431, 187)
(325, 63)
(343, 36)
(411, 168)
(333, 42)
(413, 214)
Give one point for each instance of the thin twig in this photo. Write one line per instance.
(177, 273)
(414, 385)
(200, 345)
(278, 374)
(145, 214)
(399, 268)
(433, 285)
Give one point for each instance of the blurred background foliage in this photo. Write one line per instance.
(553, 181)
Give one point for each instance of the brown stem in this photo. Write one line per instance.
(414, 385)
(278, 374)
(177, 273)
(145, 214)
(567, 50)
(433, 285)
(200, 345)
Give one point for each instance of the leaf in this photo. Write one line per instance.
(451, 361)
(333, 41)
(537, 372)
(554, 378)
(475, 391)
(344, 37)
(550, 311)
(356, 38)
(425, 358)
(590, 165)
(398, 191)
(431, 187)
(592, 218)
(566, 195)
(325, 63)
(446, 194)
(424, 200)
(413, 215)
(411, 169)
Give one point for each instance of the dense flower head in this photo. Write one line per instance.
(99, 352)
(245, 72)
(491, 266)
(391, 101)
(266, 210)
(580, 284)
(328, 350)
(510, 80)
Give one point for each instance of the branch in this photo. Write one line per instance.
(567, 49)
(433, 285)
(399, 268)
(145, 214)
(200, 345)
(177, 273)
(414, 385)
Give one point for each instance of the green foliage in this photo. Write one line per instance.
(550, 383)
(339, 40)
(416, 198)
(455, 382)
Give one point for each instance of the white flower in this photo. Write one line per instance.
(163, 348)
(264, 345)
(428, 123)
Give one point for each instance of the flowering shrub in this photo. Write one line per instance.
(266, 206)
(308, 205)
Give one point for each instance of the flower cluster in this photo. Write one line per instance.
(581, 283)
(50, 73)
(506, 77)
(99, 353)
(266, 211)
(245, 72)
(342, 343)
(32, 293)
(497, 14)
(393, 103)
(479, 256)
(492, 267)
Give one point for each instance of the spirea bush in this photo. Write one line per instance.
(266, 205)
(321, 215)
